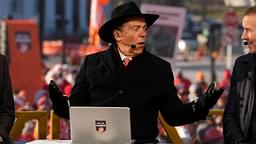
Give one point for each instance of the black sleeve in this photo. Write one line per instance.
(173, 110)
(80, 94)
(7, 109)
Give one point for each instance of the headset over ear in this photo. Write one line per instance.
(116, 34)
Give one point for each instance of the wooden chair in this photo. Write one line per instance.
(54, 126)
(171, 131)
(23, 116)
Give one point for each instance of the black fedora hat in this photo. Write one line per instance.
(118, 15)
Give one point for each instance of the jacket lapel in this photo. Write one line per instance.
(139, 66)
(112, 61)
(248, 99)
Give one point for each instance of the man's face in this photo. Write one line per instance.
(249, 31)
(132, 32)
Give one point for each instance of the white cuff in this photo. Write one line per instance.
(1, 139)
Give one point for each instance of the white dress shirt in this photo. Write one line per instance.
(123, 56)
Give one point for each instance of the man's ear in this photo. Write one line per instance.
(117, 35)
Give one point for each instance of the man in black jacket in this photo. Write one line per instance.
(145, 85)
(240, 111)
(6, 101)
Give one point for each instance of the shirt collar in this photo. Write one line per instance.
(123, 56)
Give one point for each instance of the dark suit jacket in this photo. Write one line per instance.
(239, 108)
(146, 87)
(6, 99)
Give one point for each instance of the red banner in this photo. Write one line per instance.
(24, 54)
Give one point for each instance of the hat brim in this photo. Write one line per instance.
(106, 29)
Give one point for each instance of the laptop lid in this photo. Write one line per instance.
(100, 125)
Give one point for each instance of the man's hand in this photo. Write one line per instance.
(59, 102)
(210, 97)
(54, 92)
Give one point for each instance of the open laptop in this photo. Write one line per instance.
(100, 125)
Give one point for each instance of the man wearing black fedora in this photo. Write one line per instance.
(127, 75)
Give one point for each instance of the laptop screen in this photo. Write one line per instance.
(100, 124)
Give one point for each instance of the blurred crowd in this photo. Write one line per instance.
(208, 131)
(64, 76)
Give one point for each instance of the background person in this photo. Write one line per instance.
(239, 122)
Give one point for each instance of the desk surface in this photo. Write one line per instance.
(50, 142)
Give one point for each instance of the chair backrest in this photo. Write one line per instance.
(23, 116)
(171, 131)
(54, 126)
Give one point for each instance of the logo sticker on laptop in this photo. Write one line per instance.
(100, 126)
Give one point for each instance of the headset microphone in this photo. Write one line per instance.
(133, 46)
(245, 42)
